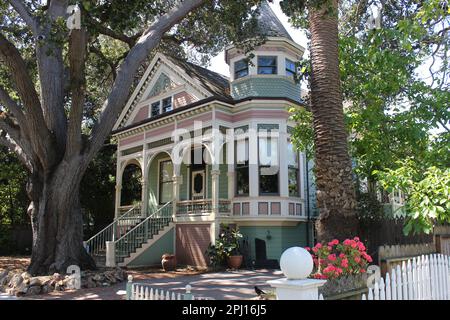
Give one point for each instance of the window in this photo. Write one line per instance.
(293, 170)
(165, 181)
(155, 109)
(268, 159)
(240, 69)
(267, 65)
(167, 105)
(290, 68)
(241, 167)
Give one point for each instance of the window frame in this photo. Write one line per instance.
(289, 72)
(160, 180)
(297, 170)
(236, 71)
(165, 106)
(246, 166)
(265, 166)
(151, 108)
(274, 67)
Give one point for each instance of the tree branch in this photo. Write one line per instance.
(25, 14)
(14, 147)
(121, 87)
(77, 58)
(12, 107)
(39, 135)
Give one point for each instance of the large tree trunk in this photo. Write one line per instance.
(57, 221)
(336, 198)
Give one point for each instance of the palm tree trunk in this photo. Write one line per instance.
(336, 200)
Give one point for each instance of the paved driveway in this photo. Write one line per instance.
(232, 285)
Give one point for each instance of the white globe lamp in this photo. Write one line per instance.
(296, 263)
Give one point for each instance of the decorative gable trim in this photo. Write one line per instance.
(149, 75)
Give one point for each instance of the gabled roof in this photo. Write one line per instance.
(205, 81)
(268, 23)
(214, 82)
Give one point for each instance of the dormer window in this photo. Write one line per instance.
(240, 69)
(167, 104)
(290, 68)
(267, 65)
(155, 109)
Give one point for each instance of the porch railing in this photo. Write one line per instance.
(204, 206)
(142, 232)
(97, 244)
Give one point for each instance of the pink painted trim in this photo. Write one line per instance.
(182, 99)
(130, 140)
(266, 114)
(224, 116)
(142, 114)
(190, 122)
(160, 131)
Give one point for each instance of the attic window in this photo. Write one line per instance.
(267, 65)
(167, 104)
(240, 69)
(155, 108)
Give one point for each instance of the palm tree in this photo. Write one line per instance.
(336, 200)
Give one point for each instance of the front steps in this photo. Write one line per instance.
(145, 246)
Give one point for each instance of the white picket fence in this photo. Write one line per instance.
(142, 291)
(421, 278)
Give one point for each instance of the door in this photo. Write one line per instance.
(198, 185)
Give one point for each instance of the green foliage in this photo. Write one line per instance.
(227, 244)
(303, 134)
(428, 194)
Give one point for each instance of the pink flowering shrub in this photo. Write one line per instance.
(335, 259)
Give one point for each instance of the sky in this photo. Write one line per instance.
(218, 63)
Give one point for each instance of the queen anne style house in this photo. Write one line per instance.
(192, 180)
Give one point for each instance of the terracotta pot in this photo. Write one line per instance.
(235, 262)
(169, 262)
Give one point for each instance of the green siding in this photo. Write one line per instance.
(184, 195)
(153, 181)
(152, 256)
(282, 238)
(266, 87)
(223, 181)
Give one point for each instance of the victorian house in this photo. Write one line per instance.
(176, 130)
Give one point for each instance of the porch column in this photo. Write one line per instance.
(144, 204)
(118, 194)
(215, 204)
(177, 181)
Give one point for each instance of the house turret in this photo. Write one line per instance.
(268, 70)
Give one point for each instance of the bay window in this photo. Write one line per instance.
(240, 69)
(268, 160)
(293, 170)
(290, 68)
(267, 65)
(242, 162)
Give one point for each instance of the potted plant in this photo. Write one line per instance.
(168, 262)
(234, 256)
(343, 264)
(226, 249)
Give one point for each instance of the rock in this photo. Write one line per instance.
(59, 286)
(57, 277)
(5, 276)
(46, 289)
(21, 289)
(110, 276)
(34, 290)
(15, 281)
(35, 282)
(98, 277)
(45, 280)
(26, 275)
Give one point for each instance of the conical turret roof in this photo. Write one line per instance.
(268, 23)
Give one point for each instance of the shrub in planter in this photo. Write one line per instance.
(227, 249)
(344, 264)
